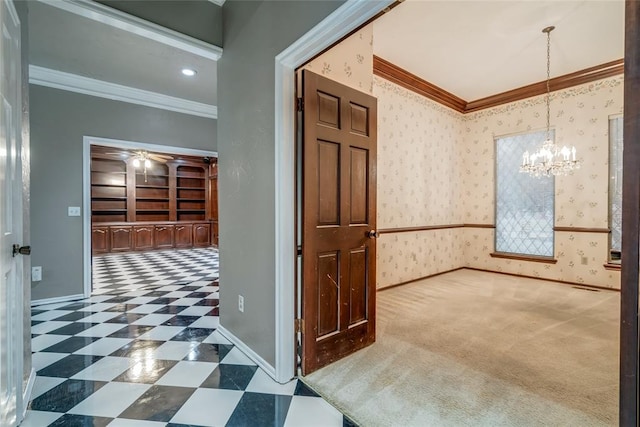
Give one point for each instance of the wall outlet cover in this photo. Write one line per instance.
(74, 211)
(36, 274)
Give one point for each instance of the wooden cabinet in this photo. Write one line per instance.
(202, 234)
(120, 238)
(100, 240)
(163, 236)
(184, 235)
(143, 237)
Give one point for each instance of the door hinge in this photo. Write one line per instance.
(299, 252)
(299, 325)
(299, 104)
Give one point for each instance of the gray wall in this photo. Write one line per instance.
(59, 121)
(254, 33)
(200, 19)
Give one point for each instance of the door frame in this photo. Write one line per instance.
(348, 17)
(87, 142)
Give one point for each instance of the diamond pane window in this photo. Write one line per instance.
(615, 183)
(524, 205)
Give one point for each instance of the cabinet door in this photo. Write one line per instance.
(163, 236)
(99, 240)
(120, 237)
(184, 236)
(143, 237)
(201, 234)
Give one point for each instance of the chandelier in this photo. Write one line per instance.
(142, 159)
(549, 159)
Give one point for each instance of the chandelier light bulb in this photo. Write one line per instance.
(147, 163)
(136, 163)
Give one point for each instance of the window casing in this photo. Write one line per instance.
(615, 187)
(524, 204)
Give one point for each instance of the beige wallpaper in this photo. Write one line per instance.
(350, 62)
(580, 117)
(420, 149)
(436, 167)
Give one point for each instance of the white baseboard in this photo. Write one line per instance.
(57, 299)
(270, 370)
(26, 397)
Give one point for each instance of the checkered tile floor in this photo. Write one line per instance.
(144, 351)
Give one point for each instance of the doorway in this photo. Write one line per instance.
(147, 205)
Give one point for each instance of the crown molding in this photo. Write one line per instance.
(401, 77)
(588, 75)
(74, 83)
(393, 73)
(132, 24)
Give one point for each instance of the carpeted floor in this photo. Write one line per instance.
(474, 348)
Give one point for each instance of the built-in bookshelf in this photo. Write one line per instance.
(168, 205)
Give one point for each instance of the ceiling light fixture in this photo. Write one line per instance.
(189, 72)
(550, 159)
(142, 159)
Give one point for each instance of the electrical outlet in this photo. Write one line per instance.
(73, 211)
(36, 274)
(585, 260)
(241, 303)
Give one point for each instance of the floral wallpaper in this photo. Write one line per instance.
(436, 167)
(350, 62)
(580, 117)
(419, 172)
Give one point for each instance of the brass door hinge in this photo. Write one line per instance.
(299, 325)
(299, 104)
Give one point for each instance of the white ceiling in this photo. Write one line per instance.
(472, 49)
(67, 42)
(475, 49)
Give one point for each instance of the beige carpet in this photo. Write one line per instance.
(474, 348)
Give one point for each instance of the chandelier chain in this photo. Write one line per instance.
(548, 84)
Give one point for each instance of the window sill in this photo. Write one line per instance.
(615, 266)
(532, 258)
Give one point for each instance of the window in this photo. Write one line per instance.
(524, 204)
(615, 186)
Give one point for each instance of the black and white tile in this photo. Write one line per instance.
(144, 351)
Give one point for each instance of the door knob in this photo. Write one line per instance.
(22, 250)
(372, 234)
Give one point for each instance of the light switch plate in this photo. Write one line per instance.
(74, 210)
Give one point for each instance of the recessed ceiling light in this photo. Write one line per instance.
(189, 72)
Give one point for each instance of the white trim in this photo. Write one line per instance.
(87, 142)
(343, 20)
(26, 395)
(263, 364)
(55, 300)
(72, 82)
(218, 2)
(132, 24)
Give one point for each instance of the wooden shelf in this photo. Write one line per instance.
(162, 187)
(108, 198)
(178, 191)
(108, 185)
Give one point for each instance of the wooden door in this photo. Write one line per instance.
(13, 191)
(120, 238)
(143, 237)
(184, 235)
(100, 240)
(339, 221)
(201, 234)
(163, 236)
